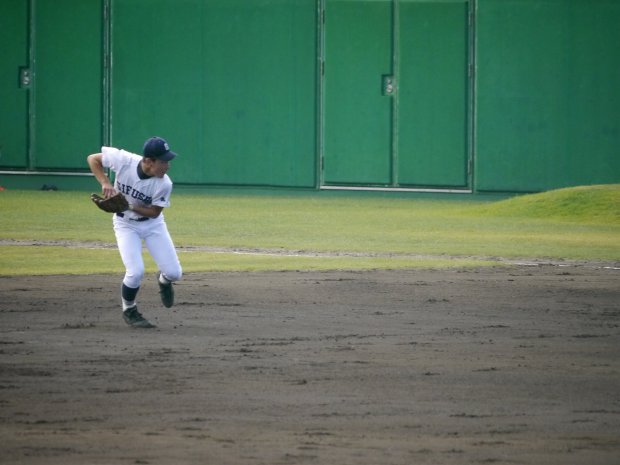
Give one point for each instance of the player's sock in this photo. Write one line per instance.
(163, 280)
(128, 296)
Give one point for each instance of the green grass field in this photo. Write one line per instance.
(350, 231)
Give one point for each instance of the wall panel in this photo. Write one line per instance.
(548, 94)
(230, 83)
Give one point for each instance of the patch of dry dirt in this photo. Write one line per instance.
(496, 365)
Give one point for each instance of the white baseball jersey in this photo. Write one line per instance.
(138, 188)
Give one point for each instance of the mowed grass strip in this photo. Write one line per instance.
(55, 260)
(580, 223)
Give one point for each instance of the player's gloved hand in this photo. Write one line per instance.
(114, 204)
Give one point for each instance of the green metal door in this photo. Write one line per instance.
(14, 81)
(395, 106)
(433, 94)
(50, 83)
(67, 82)
(357, 116)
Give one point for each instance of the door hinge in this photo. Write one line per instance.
(25, 77)
(388, 84)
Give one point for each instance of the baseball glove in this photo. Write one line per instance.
(115, 204)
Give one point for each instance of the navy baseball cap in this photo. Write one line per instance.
(158, 148)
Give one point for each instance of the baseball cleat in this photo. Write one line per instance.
(166, 292)
(135, 319)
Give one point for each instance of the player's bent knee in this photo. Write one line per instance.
(133, 278)
(174, 274)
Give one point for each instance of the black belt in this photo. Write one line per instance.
(122, 215)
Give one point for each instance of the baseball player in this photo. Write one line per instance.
(143, 182)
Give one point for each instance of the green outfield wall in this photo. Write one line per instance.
(445, 95)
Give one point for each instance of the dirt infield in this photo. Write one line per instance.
(516, 364)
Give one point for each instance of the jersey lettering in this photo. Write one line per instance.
(133, 193)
